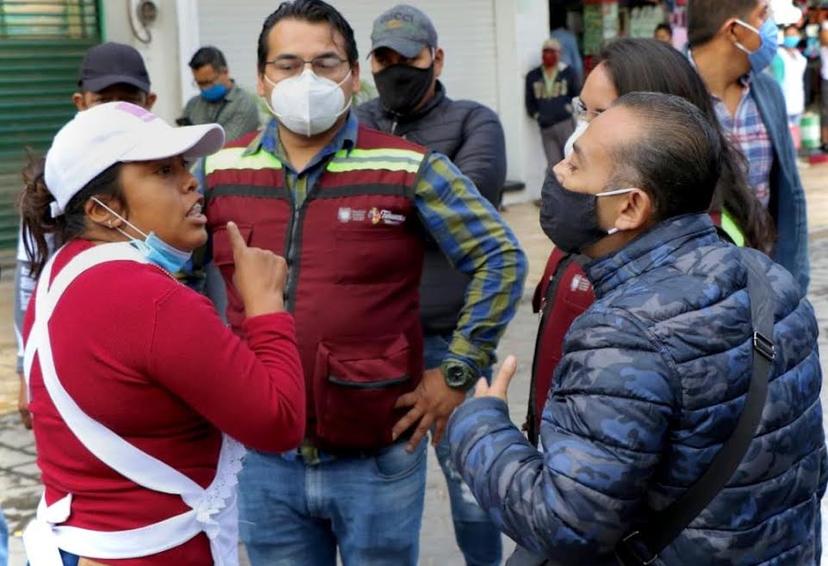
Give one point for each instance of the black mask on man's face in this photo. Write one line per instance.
(402, 87)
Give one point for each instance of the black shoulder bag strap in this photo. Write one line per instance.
(664, 526)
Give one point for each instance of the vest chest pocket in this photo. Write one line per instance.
(356, 386)
(371, 254)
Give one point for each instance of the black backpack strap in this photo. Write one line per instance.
(664, 526)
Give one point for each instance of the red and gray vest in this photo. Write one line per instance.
(355, 252)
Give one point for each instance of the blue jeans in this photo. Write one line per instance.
(371, 508)
(476, 535)
(4, 540)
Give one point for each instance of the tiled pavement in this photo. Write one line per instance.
(19, 477)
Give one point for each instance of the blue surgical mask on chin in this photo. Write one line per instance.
(762, 57)
(156, 250)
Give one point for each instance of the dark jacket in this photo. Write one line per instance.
(554, 107)
(787, 204)
(653, 379)
(471, 136)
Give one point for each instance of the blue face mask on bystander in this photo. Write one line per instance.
(762, 57)
(791, 41)
(214, 93)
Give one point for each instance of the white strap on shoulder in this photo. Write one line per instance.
(47, 294)
(106, 445)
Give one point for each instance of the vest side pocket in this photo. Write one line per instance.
(355, 390)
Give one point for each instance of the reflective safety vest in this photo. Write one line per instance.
(354, 249)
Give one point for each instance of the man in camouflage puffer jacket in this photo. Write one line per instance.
(655, 374)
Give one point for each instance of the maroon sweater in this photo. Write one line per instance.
(149, 358)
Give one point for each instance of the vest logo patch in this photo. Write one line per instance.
(580, 283)
(375, 216)
(347, 214)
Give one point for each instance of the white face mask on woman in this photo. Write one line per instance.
(307, 104)
(580, 128)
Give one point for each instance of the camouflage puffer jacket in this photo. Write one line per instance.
(653, 379)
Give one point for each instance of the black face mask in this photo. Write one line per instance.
(569, 218)
(402, 87)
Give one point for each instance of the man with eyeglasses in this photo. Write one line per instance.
(406, 62)
(220, 101)
(550, 88)
(350, 208)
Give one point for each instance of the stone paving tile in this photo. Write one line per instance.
(11, 458)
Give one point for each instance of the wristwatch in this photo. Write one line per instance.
(458, 375)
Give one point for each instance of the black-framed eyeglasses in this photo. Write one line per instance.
(328, 66)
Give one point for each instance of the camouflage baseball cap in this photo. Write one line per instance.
(405, 29)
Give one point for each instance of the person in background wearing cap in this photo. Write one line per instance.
(221, 101)
(406, 62)
(113, 71)
(550, 89)
(350, 208)
(129, 370)
(109, 72)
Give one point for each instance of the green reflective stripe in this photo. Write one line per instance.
(376, 160)
(234, 158)
(380, 153)
(732, 230)
(367, 159)
(345, 165)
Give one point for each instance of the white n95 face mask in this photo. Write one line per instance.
(307, 104)
(580, 128)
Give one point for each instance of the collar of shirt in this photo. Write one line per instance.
(744, 80)
(268, 140)
(231, 92)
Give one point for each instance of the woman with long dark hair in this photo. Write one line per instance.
(139, 395)
(630, 65)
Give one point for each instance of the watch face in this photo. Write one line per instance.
(456, 375)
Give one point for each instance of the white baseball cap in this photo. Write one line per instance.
(114, 132)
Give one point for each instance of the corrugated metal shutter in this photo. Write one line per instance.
(466, 31)
(42, 44)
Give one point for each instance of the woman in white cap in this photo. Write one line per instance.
(139, 395)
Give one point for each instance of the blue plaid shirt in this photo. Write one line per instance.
(747, 131)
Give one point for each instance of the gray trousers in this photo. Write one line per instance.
(554, 138)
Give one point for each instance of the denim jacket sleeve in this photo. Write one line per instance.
(787, 193)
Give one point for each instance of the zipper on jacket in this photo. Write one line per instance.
(290, 254)
(294, 242)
